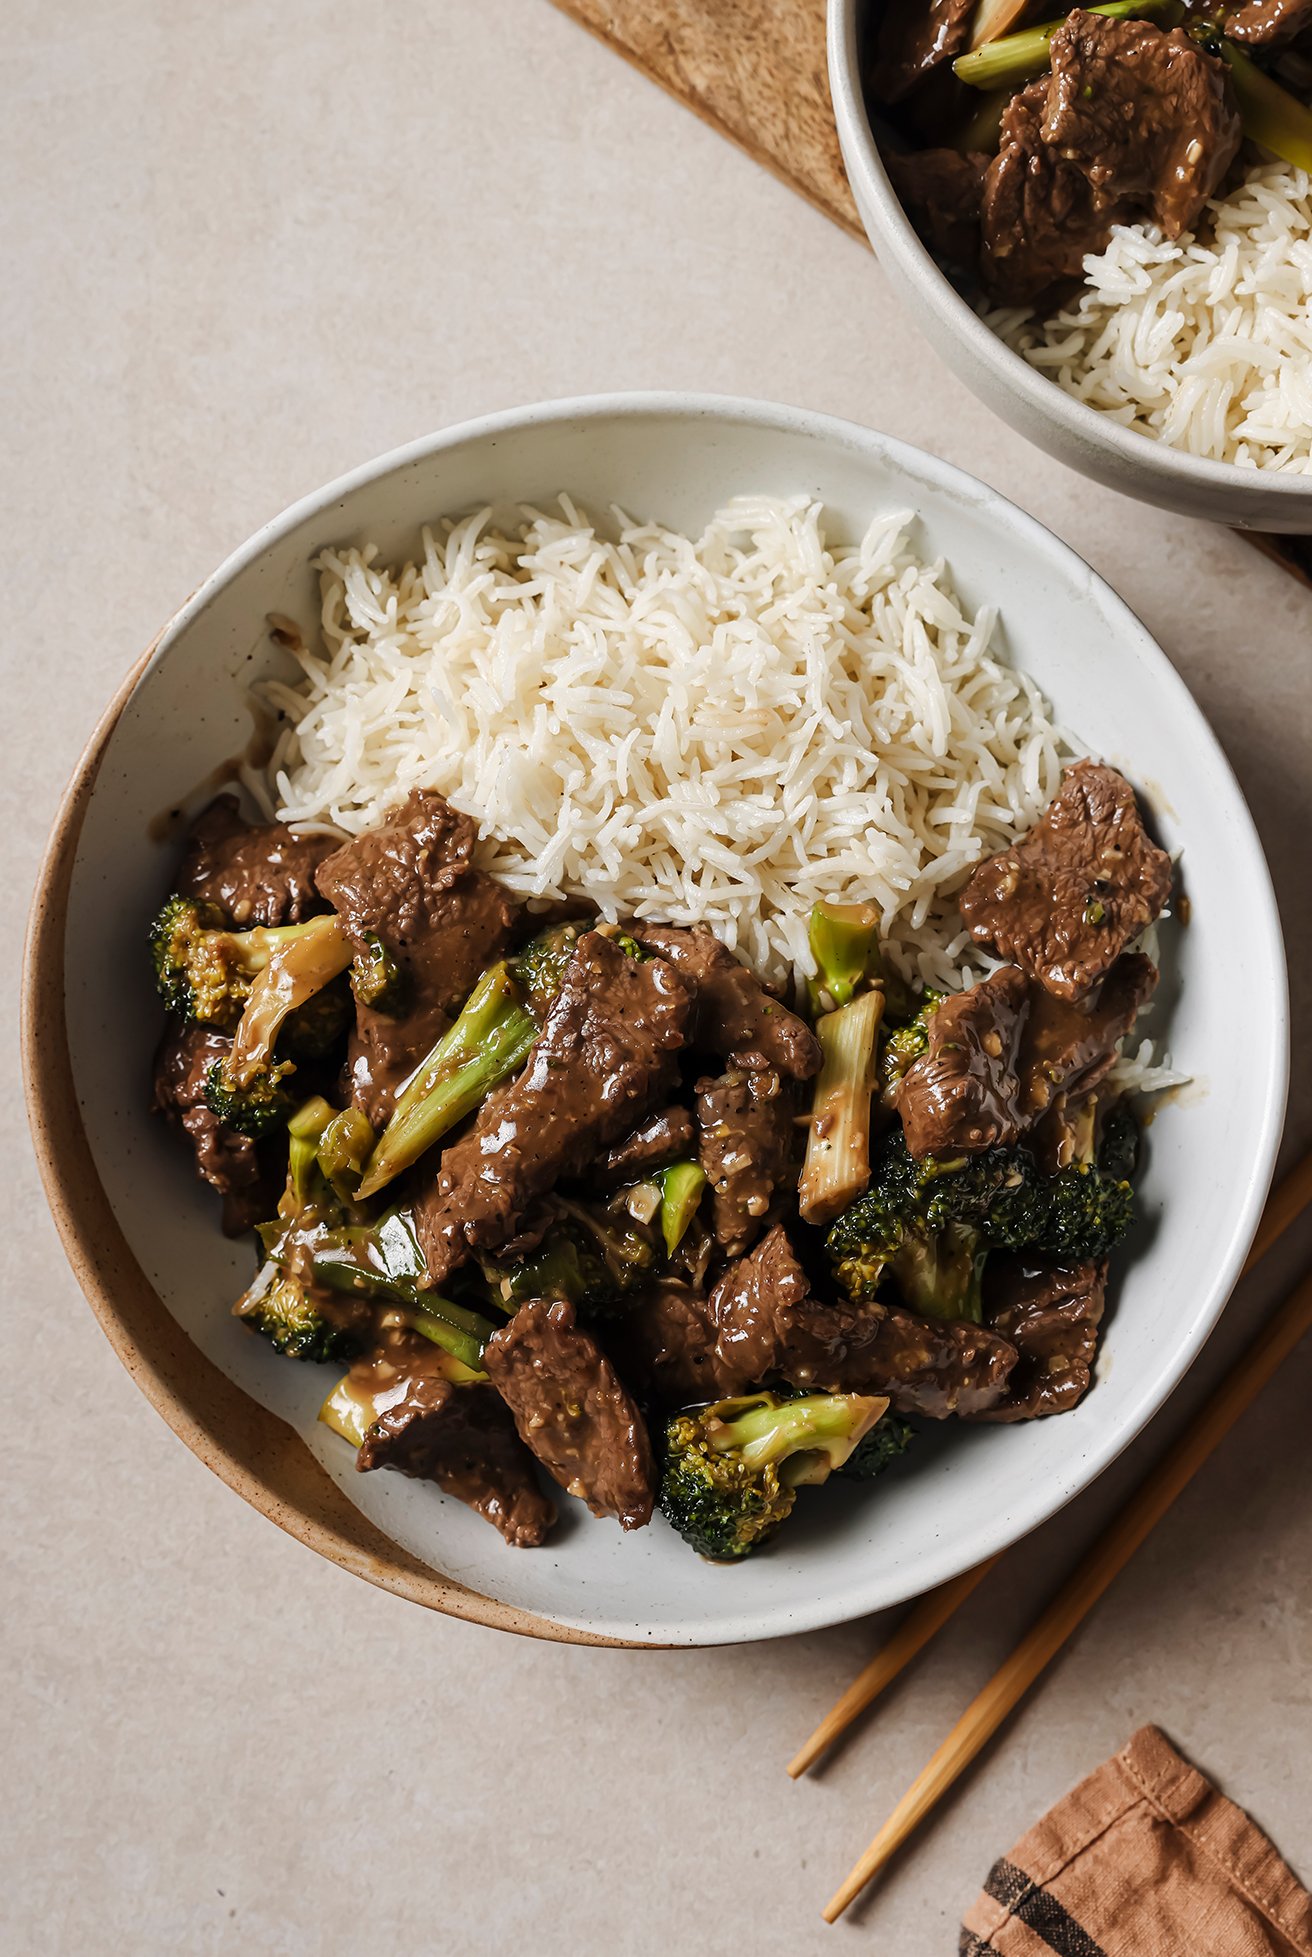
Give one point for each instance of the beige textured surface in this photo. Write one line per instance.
(250, 247)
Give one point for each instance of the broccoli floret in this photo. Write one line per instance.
(1118, 1150)
(204, 970)
(257, 1107)
(592, 1260)
(281, 1309)
(1089, 1214)
(887, 1441)
(998, 1196)
(731, 1471)
(377, 980)
(538, 969)
(904, 1043)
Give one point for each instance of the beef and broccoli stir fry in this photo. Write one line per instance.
(1020, 132)
(559, 1195)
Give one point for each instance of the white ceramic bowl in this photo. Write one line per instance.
(144, 1235)
(1088, 442)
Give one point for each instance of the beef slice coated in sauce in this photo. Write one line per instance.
(734, 1014)
(257, 873)
(664, 1346)
(1064, 902)
(912, 38)
(605, 1055)
(229, 1162)
(1052, 1316)
(941, 191)
(411, 883)
(660, 1139)
(769, 1325)
(745, 1124)
(1068, 1050)
(964, 1090)
(572, 1410)
(1269, 23)
(461, 1437)
(1147, 115)
(1130, 121)
(1039, 214)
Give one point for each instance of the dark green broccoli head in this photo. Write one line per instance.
(998, 1197)
(731, 1471)
(592, 1259)
(256, 1109)
(887, 1441)
(904, 1043)
(322, 1023)
(280, 1308)
(377, 980)
(1089, 1213)
(1118, 1149)
(539, 968)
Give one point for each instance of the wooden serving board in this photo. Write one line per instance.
(756, 70)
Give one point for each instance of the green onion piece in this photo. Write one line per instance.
(1271, 115)
(1017, 58)
(681, 1187)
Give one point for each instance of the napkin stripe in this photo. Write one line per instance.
(1039, 1911)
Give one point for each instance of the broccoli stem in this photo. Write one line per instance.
(1271, 115)
(681, 1187)
(305, 1131)
(844, 943)
(344, 1147)
(351, 1409)
(489, 1041)
(309, 958)
(1017, 58)
(837, 1166)
(811, 1436)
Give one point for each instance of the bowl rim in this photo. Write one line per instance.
(901, 242)
(269, 1465)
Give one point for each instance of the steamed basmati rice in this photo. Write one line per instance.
(1204, 343)
(718, 730)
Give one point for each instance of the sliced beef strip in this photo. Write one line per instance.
(1269, 23)
(769, 1325)
(745, 1123)
(1147, 116)
(1068, 1050)
(735, 1016)
(914, 37)
(1066, 901)
(964, 1091)
(1130, 121)
(605, 1055)
(1052, 1316)
(660, 1139)
(941, 191)
(411, 883)
(572, 1411)
(664, 1347)
(461, 1437)
(256, 873)
(229, 1162)
(1039, 214)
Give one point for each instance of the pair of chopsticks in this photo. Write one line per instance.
(1077, 1596)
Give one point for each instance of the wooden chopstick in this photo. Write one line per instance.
(1286, 1203)
(1081, 1591)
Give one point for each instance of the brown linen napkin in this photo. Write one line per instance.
(1142, 1859)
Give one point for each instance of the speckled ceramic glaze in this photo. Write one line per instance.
(144, 1236)
(1091, 443)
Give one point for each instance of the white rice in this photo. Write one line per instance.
(718, 730)
(1205, 343)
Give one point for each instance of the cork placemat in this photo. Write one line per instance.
(756, 71)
